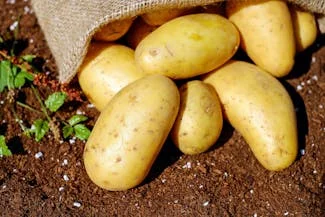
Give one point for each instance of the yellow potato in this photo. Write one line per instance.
(188, 46)
(138, 31)
(259, 107)
(130, 132)
(199, 121)
(107, 68)
(113, 31)
(305, 28)
(159, 17)
(266, 33)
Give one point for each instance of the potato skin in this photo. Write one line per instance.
(188, 46)
(266, 33)
(305, 28)
(130, 132)
(199, 121)
(113, 31)
(159, 17)
(107, 68)
(258, 106)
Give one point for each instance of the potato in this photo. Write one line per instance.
(188, 46)
(113, 31)
(259, 107)
(305, 27)
(138, 31)
(199, 121)
(130, 132)
(266, 33)
(106, 69)
(159, 17)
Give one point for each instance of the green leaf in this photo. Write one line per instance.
(4, 150)
(7, 79)
(76, 119)
(67, 131)
(40, 128)
(20, 79)
(55, 101)
(28, 58)
(81, 131)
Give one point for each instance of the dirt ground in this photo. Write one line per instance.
(225, 181)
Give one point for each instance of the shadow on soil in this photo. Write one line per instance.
(16, 146)
(303, 59)
(301, 114)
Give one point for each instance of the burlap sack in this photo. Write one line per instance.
(68, 25)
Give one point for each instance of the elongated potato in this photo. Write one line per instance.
(305, 27)
(159, 17)
(266, 33)
(199, 121)
(113, 31)
(188, 46)
(258, 106)
(130, 132)
(106, 69)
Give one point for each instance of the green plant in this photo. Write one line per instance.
(4, 150)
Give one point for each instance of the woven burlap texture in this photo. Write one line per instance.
(68, 25)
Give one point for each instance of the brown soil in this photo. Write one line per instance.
(225, 181)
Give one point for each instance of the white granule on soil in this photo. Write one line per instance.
(163, 180)
(308, 81)
(200, 186)
(313, 59)
(65, 162)
(90, 105)
(320, 106)
(251, 191)
(13, 26)
(315, 171)
(61, 188)
(26, 10)
(225, 174)
(38, 155)
(205, 203)
(302, 152)
(286, 213)
(79, 112)
(2, 102)
(65, 177)
(315, 78)
(188, 165)
(255, 215)
(299, 87)
(77, 204)
(11, 2)
(72, 141)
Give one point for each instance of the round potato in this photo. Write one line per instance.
(188, 46)
(113, 31)
(305, 28)
(106, 69)
(259, 107)
(130, 132)
(266, 33)
(138, 31)
(159, 17)
(199, 121)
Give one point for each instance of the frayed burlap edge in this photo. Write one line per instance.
(68, 26)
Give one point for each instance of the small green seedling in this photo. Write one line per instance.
(74, 127)
(4, 150)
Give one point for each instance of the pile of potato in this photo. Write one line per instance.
(172, 74)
